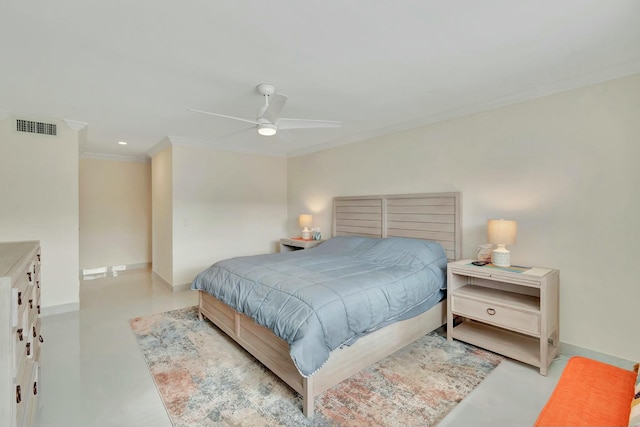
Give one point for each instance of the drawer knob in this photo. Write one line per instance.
(19, 331)
(40, 338)
(30, 304)
(35, 388)
(34, 331)
(29, 275)
(19, 298)
(28, 349)
(18, 394)
(491, 311)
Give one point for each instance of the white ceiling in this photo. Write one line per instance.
(131, 69)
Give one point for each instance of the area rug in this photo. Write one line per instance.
(206, 379)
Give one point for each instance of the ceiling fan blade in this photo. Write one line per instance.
(307, 124)
(276, 103)
(225, 116)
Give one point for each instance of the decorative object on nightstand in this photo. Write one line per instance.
(515, 314)
(502, 233)
(484, 252)
(305, 221)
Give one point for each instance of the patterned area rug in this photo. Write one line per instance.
(206, 379)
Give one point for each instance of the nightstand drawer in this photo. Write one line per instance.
(295, 244)
(521, 321)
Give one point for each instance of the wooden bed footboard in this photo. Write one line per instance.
(343, 363)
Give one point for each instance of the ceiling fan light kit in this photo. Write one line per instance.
(269, 120)
(267, 129)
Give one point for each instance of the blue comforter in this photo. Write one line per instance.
(322, 298)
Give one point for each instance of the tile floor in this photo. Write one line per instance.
(93, 374)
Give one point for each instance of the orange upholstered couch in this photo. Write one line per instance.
(590, 393)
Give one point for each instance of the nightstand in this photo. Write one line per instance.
(515, 314)
(287, 245)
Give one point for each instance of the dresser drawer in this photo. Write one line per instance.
(31, 402)
(36, 336)
(20, 294)
(32, 306)
(496, 314)
(21, 338)
(23, 390)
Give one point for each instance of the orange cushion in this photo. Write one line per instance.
(589, 393)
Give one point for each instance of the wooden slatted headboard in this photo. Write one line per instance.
(430, 216)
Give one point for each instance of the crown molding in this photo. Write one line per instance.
(100, 156)
(612, 73)
(160, 146)
(75, 124)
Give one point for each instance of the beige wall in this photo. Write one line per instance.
(162, 215)
(224, 204)
(209, 205)
(564, 166)
(39, 201)
(115, 213)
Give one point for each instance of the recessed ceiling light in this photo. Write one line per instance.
(122, 142)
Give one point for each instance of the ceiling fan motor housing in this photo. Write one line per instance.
(266, 89)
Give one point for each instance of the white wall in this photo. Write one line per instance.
(162, 215)
(564, 166)
(39, 201)
(219, 204)
(225, 204)
(115, 213)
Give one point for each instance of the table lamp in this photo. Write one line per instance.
(305, 221)
(502, 233)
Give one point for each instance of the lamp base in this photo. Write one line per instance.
(306, 234)
(501, 257)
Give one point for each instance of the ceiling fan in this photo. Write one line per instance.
(269, 120)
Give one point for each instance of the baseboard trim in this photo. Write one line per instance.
(574, 350)
(166, 284)
(60, 309)
(183, 287)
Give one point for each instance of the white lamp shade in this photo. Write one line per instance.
(502, 232)
(305, 220)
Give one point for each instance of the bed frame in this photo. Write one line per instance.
(432, 216)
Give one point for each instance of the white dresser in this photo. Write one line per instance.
(20, 339)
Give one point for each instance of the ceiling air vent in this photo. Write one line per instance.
(36, 127)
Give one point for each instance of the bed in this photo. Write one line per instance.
(373, 230)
